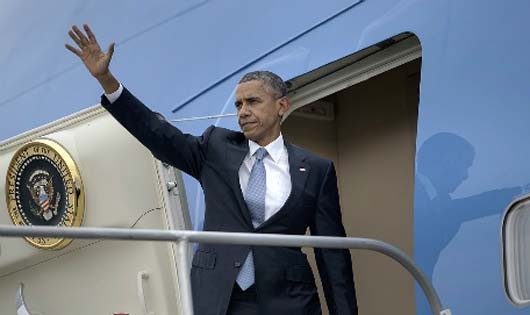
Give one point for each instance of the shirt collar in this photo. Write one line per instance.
(275, 148)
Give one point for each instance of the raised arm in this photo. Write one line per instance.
(166, 142)
(96, 61)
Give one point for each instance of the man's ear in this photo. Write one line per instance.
(285, 104)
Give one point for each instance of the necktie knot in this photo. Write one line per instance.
(260, 154)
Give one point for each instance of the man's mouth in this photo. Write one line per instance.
(246, 124)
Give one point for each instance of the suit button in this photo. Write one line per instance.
(237, 264)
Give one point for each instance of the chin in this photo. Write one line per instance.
(252, 137)
(247, 134)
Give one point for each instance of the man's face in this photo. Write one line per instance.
(259, 111)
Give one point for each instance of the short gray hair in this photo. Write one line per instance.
(271, 80)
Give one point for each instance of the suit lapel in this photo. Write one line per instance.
(298, 169)
(235, 154)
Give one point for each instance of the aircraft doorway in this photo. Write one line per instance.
(369, 130)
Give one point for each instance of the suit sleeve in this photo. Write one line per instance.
(334, 265)
(165, 141)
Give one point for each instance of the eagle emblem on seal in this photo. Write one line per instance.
(45, 203)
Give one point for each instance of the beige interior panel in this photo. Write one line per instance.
(123, 188)
(372, 142)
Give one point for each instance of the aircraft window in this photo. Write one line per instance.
(516, 248)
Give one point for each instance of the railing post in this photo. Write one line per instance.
(183, 271)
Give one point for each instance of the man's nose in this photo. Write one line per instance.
(243, 111)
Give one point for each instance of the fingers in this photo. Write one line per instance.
(82, 38)
(75, 39)
(110, 51)
(88, 31)
(72, 49)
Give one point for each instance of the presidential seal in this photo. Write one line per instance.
(43, 187)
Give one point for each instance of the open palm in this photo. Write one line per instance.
(96, 61)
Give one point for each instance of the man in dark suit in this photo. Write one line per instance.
(253, 182)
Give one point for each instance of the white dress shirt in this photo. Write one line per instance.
(277, 174)
(276, 168)
(114, 95)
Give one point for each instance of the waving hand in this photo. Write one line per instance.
(96, 61)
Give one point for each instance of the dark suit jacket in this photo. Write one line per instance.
(284, 280)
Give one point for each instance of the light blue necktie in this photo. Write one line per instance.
(255, 199)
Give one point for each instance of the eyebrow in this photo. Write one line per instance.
(250, 98)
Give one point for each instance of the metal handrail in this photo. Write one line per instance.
(183, 238)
